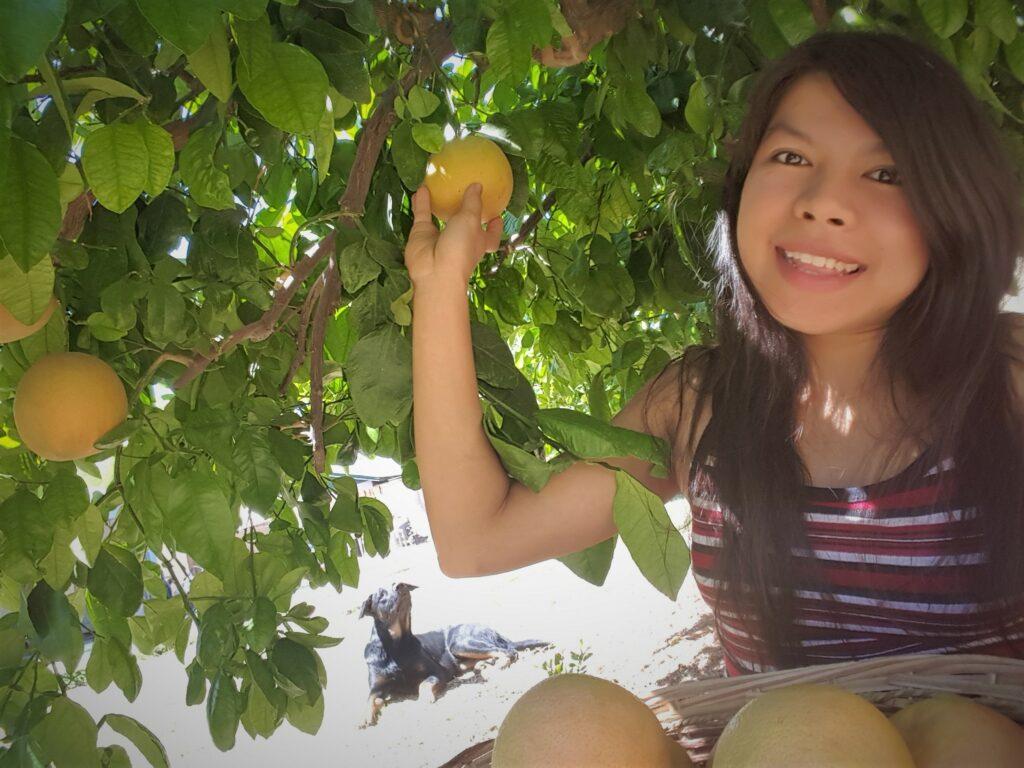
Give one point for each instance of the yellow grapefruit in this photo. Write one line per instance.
(462, 162)
(13, 330)
(947, 730)
(66, 401)
(810, 724)
(581, 720)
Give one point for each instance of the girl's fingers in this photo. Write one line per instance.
(421, 206)
(492, 239)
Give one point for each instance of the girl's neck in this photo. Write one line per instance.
(847, 391)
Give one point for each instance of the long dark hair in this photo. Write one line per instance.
(947, 344)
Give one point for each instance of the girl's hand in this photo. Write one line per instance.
(454, 252)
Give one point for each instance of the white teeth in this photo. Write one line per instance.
(821, 261)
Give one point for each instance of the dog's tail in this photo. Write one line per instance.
(524, 645)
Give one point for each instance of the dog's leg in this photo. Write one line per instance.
(376, 704)
(436, 687)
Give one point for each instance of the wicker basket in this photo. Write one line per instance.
(695, 712)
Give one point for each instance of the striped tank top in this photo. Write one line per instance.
(889, 561)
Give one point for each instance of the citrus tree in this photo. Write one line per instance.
(208, 199)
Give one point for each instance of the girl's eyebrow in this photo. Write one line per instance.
(780, 126)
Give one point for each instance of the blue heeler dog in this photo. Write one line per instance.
(401, 663)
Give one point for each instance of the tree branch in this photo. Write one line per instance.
(324, 310)
(527, 228)
(438, 46)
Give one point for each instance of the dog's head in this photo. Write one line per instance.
(390, 605)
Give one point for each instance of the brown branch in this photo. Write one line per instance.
(351, 206)
(324, 310)
(285, 288)
(300, 336)
(527, 228)
(77, 212)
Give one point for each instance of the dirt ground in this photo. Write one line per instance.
(637, 637)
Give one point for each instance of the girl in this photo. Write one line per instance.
(851, 444)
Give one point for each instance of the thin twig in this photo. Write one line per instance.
(324, 310)
(163, 358)
(351, 207)
(300, 335)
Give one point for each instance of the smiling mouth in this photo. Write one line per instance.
(811, 269)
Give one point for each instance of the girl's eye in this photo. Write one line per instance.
(892, 172)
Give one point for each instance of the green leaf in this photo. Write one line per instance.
(492, 357)
(201, 520)
(264, 624)
(647, 531)
(144, 739)
(29, 203)
(421, 102)
(59, 564)
(261, 717)
(195, 692)
(26, 28)
(207, 183)
(697, 112)
(410, 159)
(211, 63)
(68, 735)
(116, 163)
(185, 23)
(589, 438)
(429, 136)
(223, 710)
(89, 529)
(793, 18)
(344, 514)
(218, 638)
(342, 555)
(124, 668)
(356, 266)
(160, 151)
(297, 665)
(323, 142)
(531, 471)
(243, 9)
(51, 624)
(377, 525)
(26, 294)
(380, 376)
(306, 717)
(593, 563)
(262, 476)
(945, 17)
(116, 580)
(115, 756)
(165, 314)
(285, 83)
(97, 668)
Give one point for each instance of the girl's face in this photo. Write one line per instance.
(833, 191)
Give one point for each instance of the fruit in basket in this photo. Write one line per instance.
(810, 724)
(461, 162)
(582, 720)
(65, 402)
(947, 730)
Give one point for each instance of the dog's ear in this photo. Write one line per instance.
(406, 587)
(367, 609)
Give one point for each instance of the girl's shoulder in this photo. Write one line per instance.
(681, 409)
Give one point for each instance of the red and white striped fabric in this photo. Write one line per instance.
(894, 567)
